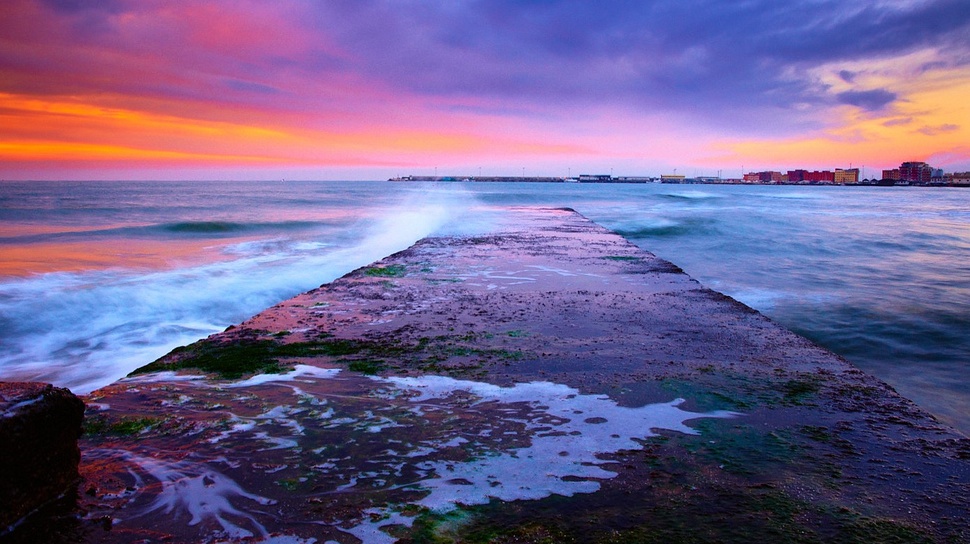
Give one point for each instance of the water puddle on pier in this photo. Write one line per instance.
(337, 456)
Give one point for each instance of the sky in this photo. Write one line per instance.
(368, 89)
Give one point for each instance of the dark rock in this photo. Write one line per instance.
(39, 428)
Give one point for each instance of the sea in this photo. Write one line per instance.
(98, 278)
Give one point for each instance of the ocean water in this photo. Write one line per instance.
(99, 278)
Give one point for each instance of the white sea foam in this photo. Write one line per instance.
(535, 440)
(569, 432)
(85, 330)
(299, 371)
(523, 442)
(199, 491)
(163, 376)
(695, 195)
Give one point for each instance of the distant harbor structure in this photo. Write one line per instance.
(582, 178)
(909, 173)
(537, 179)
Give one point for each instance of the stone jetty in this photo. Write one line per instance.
(549, 382)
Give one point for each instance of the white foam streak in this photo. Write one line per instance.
(202, 493)
(86, 330)
(298, 371)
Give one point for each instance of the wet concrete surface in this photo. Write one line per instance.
(550, 382)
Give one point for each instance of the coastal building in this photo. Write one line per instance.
(849, 175)
(908, 173)
(891, 175)
(958, 178)
(771, 176)
(823, 176)
(767, 176)
(918, 172)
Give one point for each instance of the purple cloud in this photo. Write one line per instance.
(873, 100)
(729, 62)
(898, 122)
(75, 6)
(730, 65)
(939, 129)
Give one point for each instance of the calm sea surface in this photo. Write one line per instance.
(98, 278)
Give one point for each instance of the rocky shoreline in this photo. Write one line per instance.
(550, 382)
(39, 429)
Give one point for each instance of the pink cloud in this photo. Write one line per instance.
(387, 83)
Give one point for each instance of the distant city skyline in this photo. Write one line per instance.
(908, 173)
(245, 89)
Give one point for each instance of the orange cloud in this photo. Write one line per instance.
(71, 132)
(932, 120)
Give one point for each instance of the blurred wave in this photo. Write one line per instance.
(86, 329)
(878, 275)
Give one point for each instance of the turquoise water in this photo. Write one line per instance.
(98, 278)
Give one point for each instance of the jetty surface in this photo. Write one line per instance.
(549, 382)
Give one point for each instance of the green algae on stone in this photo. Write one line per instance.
(798, 390)
(366, 366)
(233, 360)
(248, 356)
(712, 387)
(706, 399)
(683, 509)
(485, 524)
(438, 281)
(125, 426)
(289, 484)
(230, 360)
(390, 271)
(742, 449)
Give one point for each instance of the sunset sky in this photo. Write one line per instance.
(359, 89)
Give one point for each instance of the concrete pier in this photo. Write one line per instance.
(550, 382)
